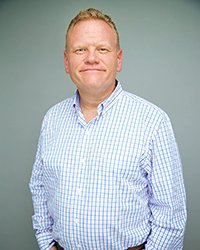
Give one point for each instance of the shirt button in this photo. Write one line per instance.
(79, 246)
(78, 191)
(76, 221)
(82, 160)
(87, 132)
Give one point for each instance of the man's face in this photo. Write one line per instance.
(92, 57)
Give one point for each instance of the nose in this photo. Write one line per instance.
(92, 57)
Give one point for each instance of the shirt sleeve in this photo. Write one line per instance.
(167, 200)
(42, 221)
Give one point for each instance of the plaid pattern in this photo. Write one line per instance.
(112, 183)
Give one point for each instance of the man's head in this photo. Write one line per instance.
(94, 14)
(92, 55)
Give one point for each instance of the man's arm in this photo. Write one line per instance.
(53, 248)
(42, 221)
(167, 199)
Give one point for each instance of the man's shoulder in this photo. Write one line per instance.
(62, 107)
(143, 112)
(142, 104)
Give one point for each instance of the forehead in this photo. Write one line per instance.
(91, 29)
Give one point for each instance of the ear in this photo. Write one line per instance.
(119, 60)
(66, 62)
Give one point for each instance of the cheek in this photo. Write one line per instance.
(113, 63)
(74, 64)
(71, 63)
(115, 66)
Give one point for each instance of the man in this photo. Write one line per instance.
(107, 173)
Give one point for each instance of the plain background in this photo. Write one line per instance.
(161, 44)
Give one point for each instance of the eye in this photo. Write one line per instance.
(103, 50)
(80, 50)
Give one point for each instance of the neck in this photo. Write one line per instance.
(89, 103)
(89, 107)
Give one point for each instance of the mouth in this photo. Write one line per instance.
(92, 70)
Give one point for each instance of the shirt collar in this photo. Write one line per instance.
(110, 100)
(76, 100)
(106, 104)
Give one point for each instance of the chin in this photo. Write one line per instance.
(94, 83)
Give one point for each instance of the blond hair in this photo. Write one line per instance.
(95, 14)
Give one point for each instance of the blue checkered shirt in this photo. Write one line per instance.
(112, 183)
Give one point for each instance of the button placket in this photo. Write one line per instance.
(80, 155)
(83, 149)
(82, 160)
(78, 191)
(76, 221)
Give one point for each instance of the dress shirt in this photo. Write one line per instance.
(112, 183)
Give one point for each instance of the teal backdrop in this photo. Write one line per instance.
(161, 45)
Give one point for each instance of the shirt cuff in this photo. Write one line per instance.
(45, 240)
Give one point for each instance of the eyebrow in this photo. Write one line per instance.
(97, 45)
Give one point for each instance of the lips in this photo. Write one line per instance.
(91, 70)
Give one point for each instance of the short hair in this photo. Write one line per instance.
(94, 14)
